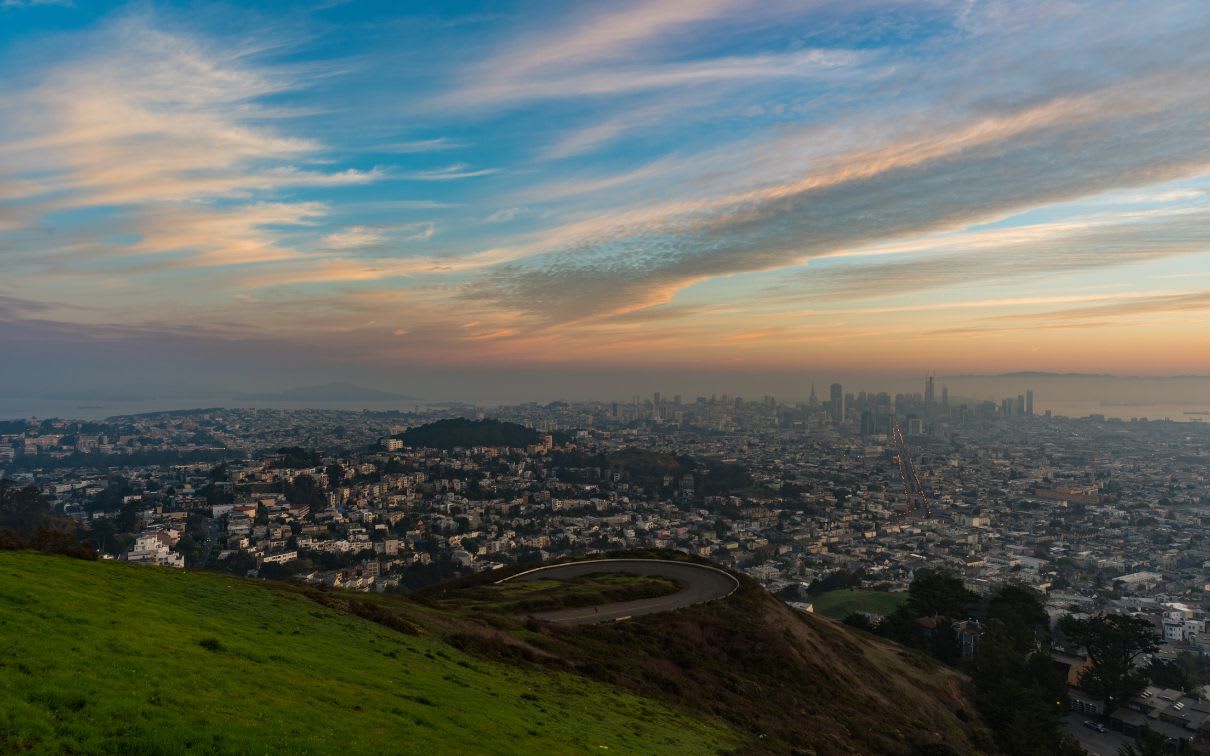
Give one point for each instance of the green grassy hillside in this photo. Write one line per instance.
(841, 603)
(102, 657)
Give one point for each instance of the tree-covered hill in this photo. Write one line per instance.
(447, 434)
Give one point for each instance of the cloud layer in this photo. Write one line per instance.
(655, 182)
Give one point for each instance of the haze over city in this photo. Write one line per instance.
(541, 200)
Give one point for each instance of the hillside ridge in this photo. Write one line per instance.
(146, 659)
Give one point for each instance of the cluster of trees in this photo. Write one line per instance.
(1186, 673)
(303, 489)
(28, 521)
(446, 434)
(836, 581)
(295, 458)
(1018, 689)
(1114, 643)
(938, 598)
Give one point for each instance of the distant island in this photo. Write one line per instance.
(447, 434)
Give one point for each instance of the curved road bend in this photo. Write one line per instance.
(701, 584)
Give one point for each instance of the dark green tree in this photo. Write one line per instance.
(110, 498)
(901, 626)
(128, 518)
(1113, 642)
(1186, 672)
(859, 620)
(939, 593)
(296, 457)
(304, 490)
(1020, 693)
(1020, 610)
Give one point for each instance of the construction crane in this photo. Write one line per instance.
(912, 487)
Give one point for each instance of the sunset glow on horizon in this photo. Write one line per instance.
(407, 192)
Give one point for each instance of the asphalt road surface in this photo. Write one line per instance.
(1096, 743)
(700, 584)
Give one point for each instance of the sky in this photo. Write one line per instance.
(527, 199)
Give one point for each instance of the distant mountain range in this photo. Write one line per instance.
(1036, 374)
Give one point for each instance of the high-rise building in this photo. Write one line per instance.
(1029, 401)
(945, 397)
(867, 423)
(1020, 408)
(837, 406)
(928, 390)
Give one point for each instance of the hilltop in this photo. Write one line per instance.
(789, 680)
(447, 434)
(111, 657)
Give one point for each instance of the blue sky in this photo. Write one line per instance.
(407, 194)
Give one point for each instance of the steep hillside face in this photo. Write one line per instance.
(100, 657)
(794, 683)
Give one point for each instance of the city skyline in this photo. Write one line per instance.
(527, 195)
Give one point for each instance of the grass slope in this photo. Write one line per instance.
(102, 657)
(841, 603)
(529, 596)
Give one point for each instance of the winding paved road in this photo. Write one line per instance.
(701, 584)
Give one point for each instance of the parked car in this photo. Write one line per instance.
(1094, 725)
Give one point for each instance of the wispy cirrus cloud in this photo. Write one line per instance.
(988, 159)
(437, 144)
(449, 173)
(1006, 254)
(35, 3)
(365, 237)
(1111, 312)
(167, 136)
(624, 49)
(1198, 301)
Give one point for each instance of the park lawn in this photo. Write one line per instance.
(841, 603)
(526, 596)
(104, 657)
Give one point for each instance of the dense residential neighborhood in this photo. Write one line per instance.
(1100, 515)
